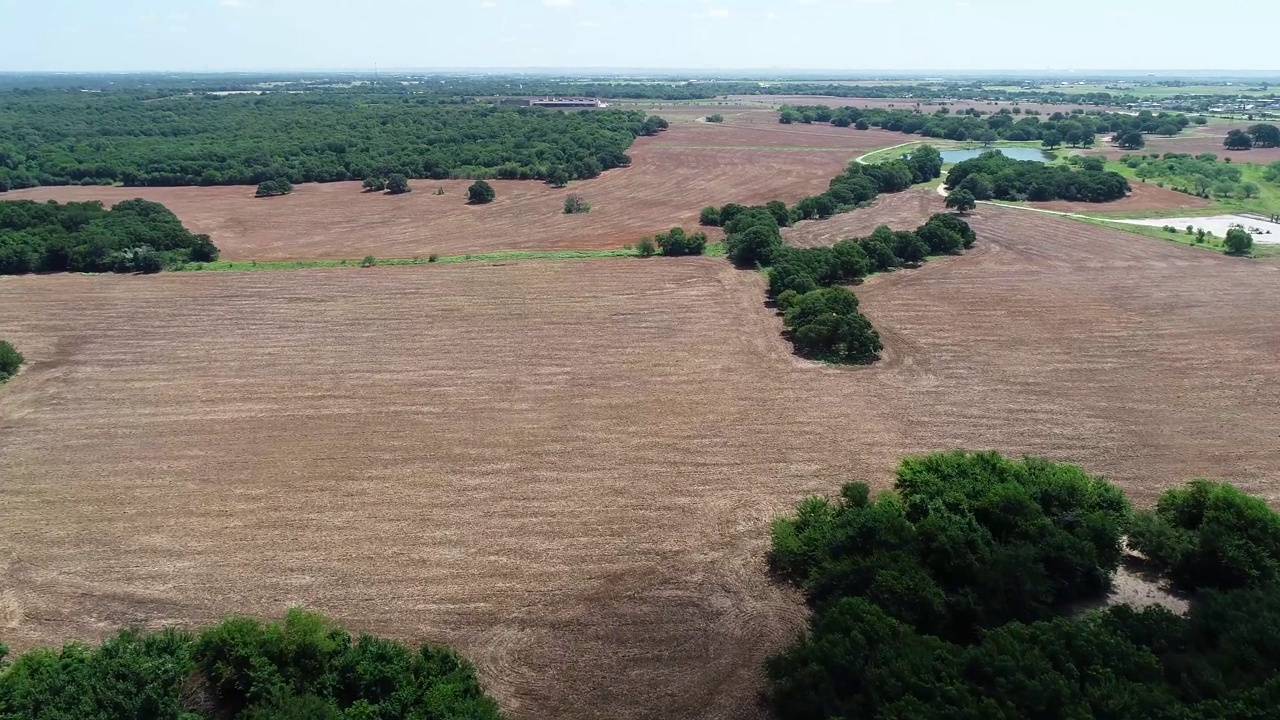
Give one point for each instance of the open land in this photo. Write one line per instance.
(1218, 225)
(567, 469)
(1195, 143)
(672, 178)
(908, 103)
(1145, 198)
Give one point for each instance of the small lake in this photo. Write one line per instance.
(1017, 153)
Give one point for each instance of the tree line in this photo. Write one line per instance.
(1077, 128)
(133, 236)
(821, 316)
(957, 595)
(1264, 135)
(994, 175)
(58, 138)
(1201, 175)
(304, 668)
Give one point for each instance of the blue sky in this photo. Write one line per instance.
(211, 35)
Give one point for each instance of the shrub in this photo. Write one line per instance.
(1238, 242)
(646, 247)
(368, 261)
(398, 184)
(676, 242)
(710, 216)
(480, 193)
(374, 184)
(10, 360)
(574, 204)
(432, 258)
(272, 188)
(717, 118)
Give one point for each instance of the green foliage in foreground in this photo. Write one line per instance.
(10, 360)
(948, 598)
(133, 236)
(243, 669)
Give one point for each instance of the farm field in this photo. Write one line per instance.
(1144, 199)
(567, 469)
(905, 210)
(672, 178)
(1195, 144)
(905, 103)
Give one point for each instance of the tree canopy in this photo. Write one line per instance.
(242, 669)
(480, 193)
(133, 236)
(123, 136)
(954, 596)
(993, 175)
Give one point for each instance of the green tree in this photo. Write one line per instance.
(397, 184)
(1238, 242)
(375, 184)
(962, 201)
(480, 193)
(988, 137)
(10, 361)
(1051, 139)
(574, 204)
(1131, 140)
(1168, 130)
(646, 247)
(1238, 140)
(273, 188)
(1265, 135)
(710, 216)
(558, 177)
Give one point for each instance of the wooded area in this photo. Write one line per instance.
(133, 236)
(61, 138)
(954, 596)
(304, 668)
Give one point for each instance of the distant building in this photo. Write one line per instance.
(556, 102)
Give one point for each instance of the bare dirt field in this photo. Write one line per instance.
(1146, 197)
(672, 178)
(905, 210)
(568, 468)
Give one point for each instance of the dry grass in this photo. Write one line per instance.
(568, 468)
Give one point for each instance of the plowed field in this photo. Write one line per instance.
(672, 178)
(568, 468)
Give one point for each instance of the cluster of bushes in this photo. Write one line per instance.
(825, 324)
(393, 184)
(1263, 135)
(717, 118)
(1077, 128)
(993, 175)
(242, 669)
(676, 242)
(952, 597)
(133, 236)
(1202, 175)
(62, 138)
(576, 205)
(10, 360)
(274, 188)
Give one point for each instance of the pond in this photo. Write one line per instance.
(1017, 153)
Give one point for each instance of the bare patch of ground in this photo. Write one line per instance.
(1146, 197)
(905, 210)
(568, 469)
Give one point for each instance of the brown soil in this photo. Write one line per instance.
(672, 178)
(901, 211)
(568, 468)
(1144, 198)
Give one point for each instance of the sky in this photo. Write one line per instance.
(217, 35)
